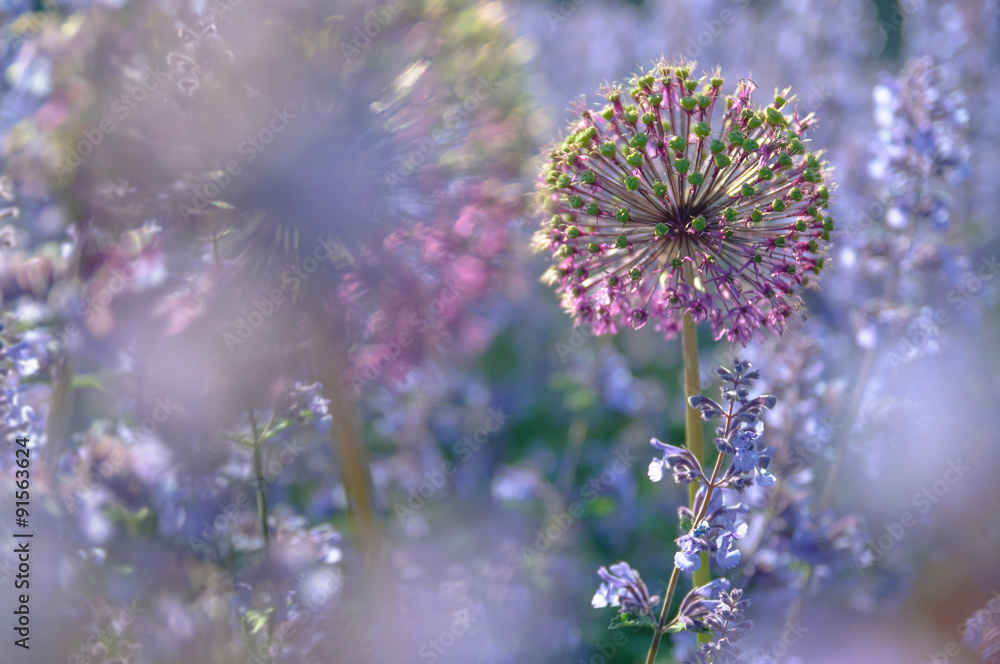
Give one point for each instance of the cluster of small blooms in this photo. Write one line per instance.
(788, 525)
(922, 147)
(725, 620)
(657, 213)
(921, 154)
(961, 34)
(715, 523)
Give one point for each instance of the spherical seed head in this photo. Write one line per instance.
(742, 172)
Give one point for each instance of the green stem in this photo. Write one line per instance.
(694, 434)
(258, 467)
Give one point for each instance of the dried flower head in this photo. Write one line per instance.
(675, 199)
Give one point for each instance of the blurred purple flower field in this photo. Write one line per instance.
(592, 331)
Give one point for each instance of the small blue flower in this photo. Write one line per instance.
(623, 588)
(681, 462)
(728, 556)
(688, 558)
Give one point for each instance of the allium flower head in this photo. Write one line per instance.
(675, 198)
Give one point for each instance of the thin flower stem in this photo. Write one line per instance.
(258, 468)
(661, 627)
(347, 439)
(694, 433)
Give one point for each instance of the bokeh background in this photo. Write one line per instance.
(504, 451)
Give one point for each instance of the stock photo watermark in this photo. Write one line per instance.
(413, 160)
(923, 500)
(557, 525)
(435, 480)
(208, 193)
(121, 108)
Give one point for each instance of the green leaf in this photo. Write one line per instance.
(631, 619)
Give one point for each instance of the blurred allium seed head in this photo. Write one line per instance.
(675, 198)
(280, 153)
